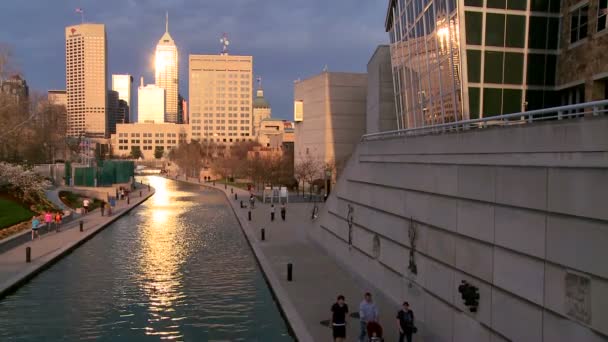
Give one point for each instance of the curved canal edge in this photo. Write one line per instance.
(294, 321)
(43, 262)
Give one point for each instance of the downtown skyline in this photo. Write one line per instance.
(288, 41)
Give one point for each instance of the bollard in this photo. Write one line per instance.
(263, 234)
(235, 197)
(28, 254)
(139, 193)
(231, 190)
(148, 187)
(249, 215)
(81, 223)
(128, 200)
(289, 272)
(241, 203)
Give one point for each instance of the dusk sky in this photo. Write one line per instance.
(288, 39)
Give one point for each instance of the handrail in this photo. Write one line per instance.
(562, 112)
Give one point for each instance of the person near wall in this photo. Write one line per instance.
(338, 319)
(368, 312)
(405, 323)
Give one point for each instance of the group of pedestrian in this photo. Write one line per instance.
(283, 212)
(370, 328)
(50, 220)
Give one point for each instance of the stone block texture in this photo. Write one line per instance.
(518, 212)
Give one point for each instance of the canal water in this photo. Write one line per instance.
(177, 267)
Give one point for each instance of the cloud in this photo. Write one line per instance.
(289, 39)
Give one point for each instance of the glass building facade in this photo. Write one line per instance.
(455, 60)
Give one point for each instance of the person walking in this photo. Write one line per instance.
(272, 210)
(35, 226)
(338, 319)
(405, 323)
(85, 205)
(57, 221)
(48, 220)
(102, 207)
(283, 211)
(251, 201)
(368, 312)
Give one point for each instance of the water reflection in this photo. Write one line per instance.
(176, 268)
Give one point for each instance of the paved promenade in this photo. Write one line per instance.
(317, 277)
(51, 246)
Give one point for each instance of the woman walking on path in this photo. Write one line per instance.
(405, 322)
(338, 319)
(272, 209)
(283, 211)
(58, 221)
(85, 205)
(48, 219)
(35, 226)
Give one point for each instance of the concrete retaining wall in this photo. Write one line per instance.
(519, 212)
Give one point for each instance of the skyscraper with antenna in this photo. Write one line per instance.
(167, 72)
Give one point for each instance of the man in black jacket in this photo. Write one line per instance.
(405, 322)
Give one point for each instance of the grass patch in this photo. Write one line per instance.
(12, 212)
(74, 200)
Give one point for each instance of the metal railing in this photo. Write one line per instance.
(594, 108)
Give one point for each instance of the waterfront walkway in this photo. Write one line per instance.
(317, 277)
(51, 246)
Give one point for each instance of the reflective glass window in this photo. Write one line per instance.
(496, 4)
(474, 102)
(534, 99)
(514, 68)
(520, 5)
(578, 23)
(536, 69)
(495, 29)
(553, 33)
(493, 67)
(474, 3)
(451, 5)
(537, 38)
(474, 65)
(492, 101)
(554, 6)
(516, 31)
(511, 101)
(602, 15)
(539, 5)
(473, 27)
(551, 69)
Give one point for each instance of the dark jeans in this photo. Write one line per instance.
(406, 335)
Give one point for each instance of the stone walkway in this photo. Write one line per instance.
(317, 277)
(49, 247)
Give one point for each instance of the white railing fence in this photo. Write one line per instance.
(595, 108)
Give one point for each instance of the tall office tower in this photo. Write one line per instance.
(123, 112)
(261, 109)
(180, 109)
(113, 111)
(167, 72)
(86, 86)
(220, 97)
(123, 84)
(150, 103)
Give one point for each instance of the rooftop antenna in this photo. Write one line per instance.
(259, 80)
(167, 21)
(81, 11)
(225, 42)
(325, 68)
